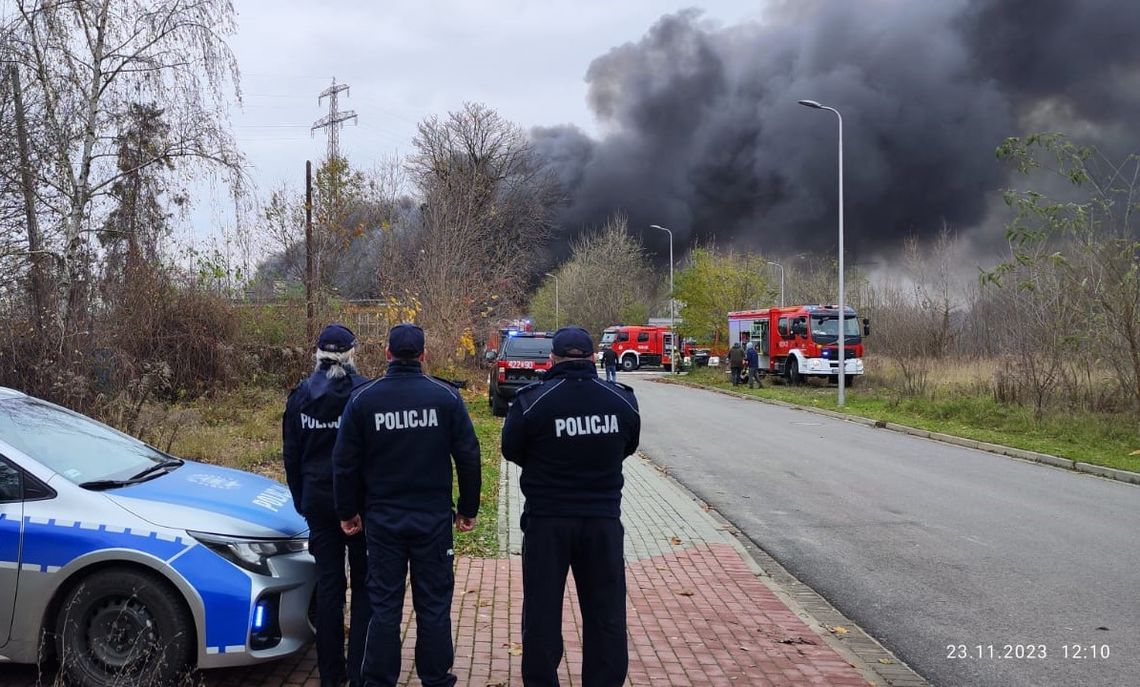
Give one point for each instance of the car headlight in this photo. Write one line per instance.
(251, 554)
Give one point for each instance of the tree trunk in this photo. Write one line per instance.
(35, 245)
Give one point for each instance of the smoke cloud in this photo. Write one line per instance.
(702, 131)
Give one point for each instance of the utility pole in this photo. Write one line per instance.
(334, 119)
(35, 248)
(310, 328)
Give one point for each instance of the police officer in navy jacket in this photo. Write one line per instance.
(308, 430)
(392, 472)
(570, 434)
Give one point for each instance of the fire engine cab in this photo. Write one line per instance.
(640, 346)
(800, 341)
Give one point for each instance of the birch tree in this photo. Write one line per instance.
(88, 65)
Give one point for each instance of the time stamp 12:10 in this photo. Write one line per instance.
(1028, 651)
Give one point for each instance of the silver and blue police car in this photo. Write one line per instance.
(130, 565)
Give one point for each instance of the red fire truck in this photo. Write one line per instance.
(640, 346)
(799, 341)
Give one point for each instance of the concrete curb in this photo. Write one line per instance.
(1008, 451)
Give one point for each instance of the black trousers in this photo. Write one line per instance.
(592, 548)
(423, 542)
(328, 544)
(737, 374)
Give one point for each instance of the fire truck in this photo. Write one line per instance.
(800, 341)
(640, 346)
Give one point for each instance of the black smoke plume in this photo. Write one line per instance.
(703, 133)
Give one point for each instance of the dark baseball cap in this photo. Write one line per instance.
(406, 341)
(336, 338)
(572, 342)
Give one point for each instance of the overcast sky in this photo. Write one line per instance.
(407, 59)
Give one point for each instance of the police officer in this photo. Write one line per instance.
(398, 437)
(308, 432)
(570, 434)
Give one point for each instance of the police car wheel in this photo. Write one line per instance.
(120, 626)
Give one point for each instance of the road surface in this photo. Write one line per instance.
(935, 550)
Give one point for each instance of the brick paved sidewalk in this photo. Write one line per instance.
(699, 613)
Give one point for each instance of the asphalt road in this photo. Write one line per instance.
(932, 549)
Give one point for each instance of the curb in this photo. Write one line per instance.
(874, 662)
(1008, 451)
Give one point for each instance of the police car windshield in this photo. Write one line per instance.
(527, 347)
(76, 447)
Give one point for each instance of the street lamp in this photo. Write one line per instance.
(842, 306)
(672, 304)
(781, 281)
(555, 298)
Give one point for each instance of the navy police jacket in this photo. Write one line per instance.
(570, 434)
(397, 439)
(308, 433)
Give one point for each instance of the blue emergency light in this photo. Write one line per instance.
(259, 617)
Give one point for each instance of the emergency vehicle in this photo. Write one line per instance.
(503, 329)
(523, 359)
(800, 341)
(640, 346)
(129, 565)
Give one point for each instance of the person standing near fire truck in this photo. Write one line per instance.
(753, 366)
(736, 362)
(609, 362)
(570, 434)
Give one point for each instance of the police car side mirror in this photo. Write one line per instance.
(490, 354)
(866, 327)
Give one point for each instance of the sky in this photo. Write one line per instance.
(686, 114)
(407, 60)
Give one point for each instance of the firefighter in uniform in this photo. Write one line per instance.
(308, 432)
(392, 474)
(570, 434)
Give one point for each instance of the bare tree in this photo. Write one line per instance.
(86, 64)
(607, 280)
(487, 204)
(1089, 247)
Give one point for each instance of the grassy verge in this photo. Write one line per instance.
(1100, 439)
(484, 541)
(242, 429)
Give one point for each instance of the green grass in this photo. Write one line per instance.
(483, 542)
(242, 429)
(1097, 438)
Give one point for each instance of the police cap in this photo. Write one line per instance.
(336, 338)
(572, 342)
(406, 341)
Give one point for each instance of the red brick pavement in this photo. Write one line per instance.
(698, 616)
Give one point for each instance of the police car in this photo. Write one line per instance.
(129, 565)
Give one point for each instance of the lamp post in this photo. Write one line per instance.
(781, 281)
(672, 304)
(556, 319)
(842, 306)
